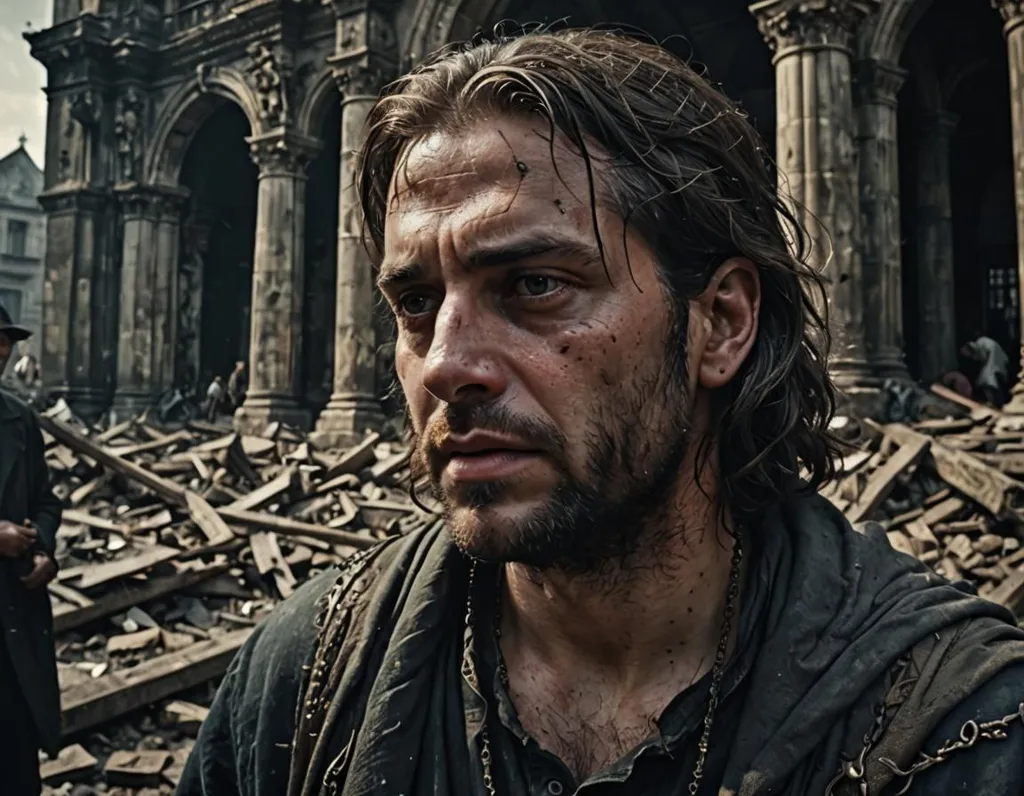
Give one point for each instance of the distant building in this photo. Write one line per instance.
(22, 241)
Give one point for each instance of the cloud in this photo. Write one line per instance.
(22, 78)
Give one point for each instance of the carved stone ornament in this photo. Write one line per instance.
(281, 155)
(269, 80)
(787, 24)
(1010, 10)
(878, 82)
(86, 109)
(362, 79)
(128, 122)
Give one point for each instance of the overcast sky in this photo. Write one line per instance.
(22, 102)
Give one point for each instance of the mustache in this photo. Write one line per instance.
(460, 419)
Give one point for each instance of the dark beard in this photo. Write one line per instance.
(591, 523)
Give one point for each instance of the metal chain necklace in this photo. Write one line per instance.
(469, 671)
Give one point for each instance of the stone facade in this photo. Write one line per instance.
(22, 242)
(164, 263)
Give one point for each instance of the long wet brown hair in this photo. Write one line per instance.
(691, 176)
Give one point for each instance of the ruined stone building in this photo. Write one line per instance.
(200, 209)
(22, 241)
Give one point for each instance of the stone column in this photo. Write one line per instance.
(936, 289)
(275, 388)
(148, 306)
(1013, 15)
(878, 84)
(354, 406)
(74, 336)
(817, 158)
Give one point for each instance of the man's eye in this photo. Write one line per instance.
(535, 285)
(416, 304)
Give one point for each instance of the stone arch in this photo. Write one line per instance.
(886, 33)
(190, 106)
(322, 93)
(437, 22)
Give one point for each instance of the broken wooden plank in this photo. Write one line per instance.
(290, 527)
(138, 769)
(72, 762)
(1010, 593)
(168, 490)
(114, 431)
(881, 482)
(207, 520)
(383, 470)
(966, 473)
(128, 594)
(88, 575)
(131, 642)
(978, 411)
(266, 553)
(71, 597)
(151, 445)
(270, 490)
(105, 698)
(200, 465)
(355, 459)
(941, 511)
(84, 518)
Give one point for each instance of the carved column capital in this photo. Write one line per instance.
(878, 82)
(1012, 12)
(793, 25)
(150, 201)
(361, 79)
(282, 154)
(365, 51)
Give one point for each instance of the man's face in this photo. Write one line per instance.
(547, 388)
(6, 347)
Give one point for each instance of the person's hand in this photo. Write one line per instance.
(15, 540)
(43, 571)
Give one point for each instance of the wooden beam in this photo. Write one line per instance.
(64, 434)
(969, 475)
(123, 597)
(88, 575)
(98, 701)
(882, 480)
(290, 527)
(270, 490)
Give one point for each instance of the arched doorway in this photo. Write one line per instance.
(322, 259)
(956, 188)
(218, 238)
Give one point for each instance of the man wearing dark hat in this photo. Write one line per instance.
(29, 517)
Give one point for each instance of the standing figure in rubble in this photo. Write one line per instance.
(614, 368)
(237, 385)
(214, 398)
(29, 517)
(993, 368)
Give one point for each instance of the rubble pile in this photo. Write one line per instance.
(173, 545)
(948, 490)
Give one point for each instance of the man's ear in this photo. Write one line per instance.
(732, 304)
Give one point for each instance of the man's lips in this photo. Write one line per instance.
(480, 456)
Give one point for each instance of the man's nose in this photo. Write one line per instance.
(463, 362)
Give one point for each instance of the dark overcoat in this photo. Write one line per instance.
(26, 618)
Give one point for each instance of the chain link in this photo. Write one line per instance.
(469, 670)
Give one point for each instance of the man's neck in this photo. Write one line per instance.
(661, 620)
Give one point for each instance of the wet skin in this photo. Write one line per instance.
(492, 267)
(535, 372)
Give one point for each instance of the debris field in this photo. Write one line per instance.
(175, 543)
